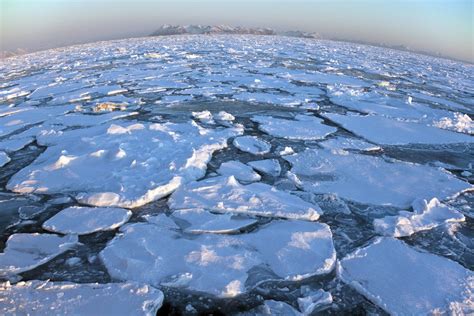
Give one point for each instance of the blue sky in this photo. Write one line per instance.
(445, 26)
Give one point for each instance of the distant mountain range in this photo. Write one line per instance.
(224, 29)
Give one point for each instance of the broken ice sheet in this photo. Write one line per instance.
(4, 159)
(86, 220)
(303, 127)
(202, 221)
(426, 215)
(371, 180)
(219, 264)
(419, 284)
(386, 131)
(24, 252)
(239, 170)
(348, 143)
(272, 308)
(267, 166)
(226, 194)
(123, 164)
(252, 144)
(67, 298)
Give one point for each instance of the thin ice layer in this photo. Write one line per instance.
(24, 252)
(122, 164)
(387, 131)
(371, 180)
(303, 127)
(86, 220)
(419, 284)
(426, 215)
(219, 264)
(239, 170)
(226, 194)
(66, 298)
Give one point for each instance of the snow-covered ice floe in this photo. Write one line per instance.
(66, 298)
(239, 170)
(252, 144)
(227, 195)
(86, 220)
(24, 252)
(267, 166)
(121, 164)
(302, 127)
(426, 215)
(219, 264)
(405, 281)
(371, 180)
(387, 131)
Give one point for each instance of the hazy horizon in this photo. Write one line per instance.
(435, 26)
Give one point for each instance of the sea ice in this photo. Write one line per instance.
(66, 298)
(267, 166)
(226, 194)
(419, 284)
(4, 159)
(201, 221)
(303, 127)
(24, 252)
(239, 170)
(426, 215)
(86, 220)
(314, 301)
(219, 264)
(272, 308)
(371, 180)
(348, 143)
(124, 164)
(252, 144)
(386, 131)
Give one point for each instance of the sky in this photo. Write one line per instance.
(437, 26)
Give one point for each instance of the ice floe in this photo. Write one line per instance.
(227, 195)
(67, 298)
(239, 170)
(303, 127)
(252, 144)
(371, 180)
(386, 131)
(201, 221)
(348, 143)
(24, 252)
(123, 164)
(268, 166)
(219, 264)
(426, 215)
(4, 159)
(314, 301)
(86, 220)
(419, 283)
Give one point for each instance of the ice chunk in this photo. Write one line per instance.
(252, 144)
(86, 220)
(224, 116)
(314, 301)
(219, 264)
(268, 166)
(4, 159)
(239, 170)
(303, 127)
(204, 116)
(272, 308)
(162, 221)
(225, 194)
(386, 131)
(461, 123)
(404, 281)
(123, 164)
(28, 251)
(66, 298)
(426, 215)
(201, 221)
(10, 145)
(371, 180)
(348, 143)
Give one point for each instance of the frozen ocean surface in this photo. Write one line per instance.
(236, 174)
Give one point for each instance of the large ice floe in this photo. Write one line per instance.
(227, 195)
(371, 180)
(66, 298)
(86, 220)
(419, 284)
(303, 127)
(121, 164)
(219, 264)
(24, 252)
